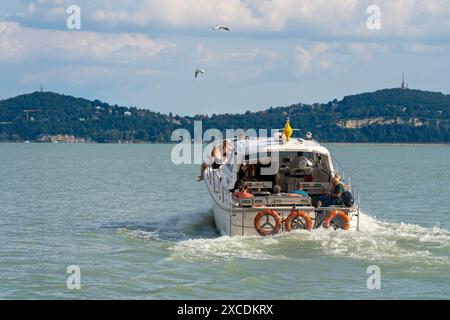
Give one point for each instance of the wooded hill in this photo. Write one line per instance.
(389, 115)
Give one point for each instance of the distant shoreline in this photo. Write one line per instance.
(386, 116)
(390, 143)
(174, 143)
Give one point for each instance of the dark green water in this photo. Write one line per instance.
(140, 227)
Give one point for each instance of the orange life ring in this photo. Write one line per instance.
(260, 227)
(339, 213)
(295, 214)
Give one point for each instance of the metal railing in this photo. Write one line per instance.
(317, 216)
(339, 169)
(215, 180)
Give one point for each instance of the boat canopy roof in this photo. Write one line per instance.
(274, 145)
(300, 145)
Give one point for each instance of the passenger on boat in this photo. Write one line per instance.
(250, 172)
(334, 197)
(277, 190)
(216, 158)
(301, 162)
(227, 149)
(247, 172)
(299, 190)
(215, 161)
(238, 185)
(243, 193)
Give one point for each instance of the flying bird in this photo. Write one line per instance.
(199, 71)
(221, 27)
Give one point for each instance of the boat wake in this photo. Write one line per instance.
(192, 237)
(387, 242)
(223, 248)
(170, 228)
(377, 241)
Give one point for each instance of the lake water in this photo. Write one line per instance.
(140, 227)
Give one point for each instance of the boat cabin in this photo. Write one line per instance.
(297, 164)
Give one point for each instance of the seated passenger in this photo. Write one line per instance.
(334, 197)
(277, 190)
(299, 190)
(238, 185)
(243, 193)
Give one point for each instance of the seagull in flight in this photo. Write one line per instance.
(199, 71)
(221, 27)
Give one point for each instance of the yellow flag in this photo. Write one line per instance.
(287, 131)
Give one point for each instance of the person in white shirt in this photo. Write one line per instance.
(300, 162)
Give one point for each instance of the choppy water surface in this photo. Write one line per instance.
(140, 227)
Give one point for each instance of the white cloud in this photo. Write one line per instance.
(236, 65)
(76, 75)
(367, 51)
(303, 59)
(426, 49)
(318, 58)
(210, 55)
(336, 56)
(337, 18)
(180, 14)
(19, 42)
(254, 54)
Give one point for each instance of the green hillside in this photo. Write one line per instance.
(389, 115)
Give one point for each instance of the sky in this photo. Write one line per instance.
(279, 52)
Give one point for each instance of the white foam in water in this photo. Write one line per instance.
(376, 241)
(138, 234)
(387, 242)
(225, 247)
(172, 228)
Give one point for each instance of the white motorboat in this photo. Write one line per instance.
(266, 165)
